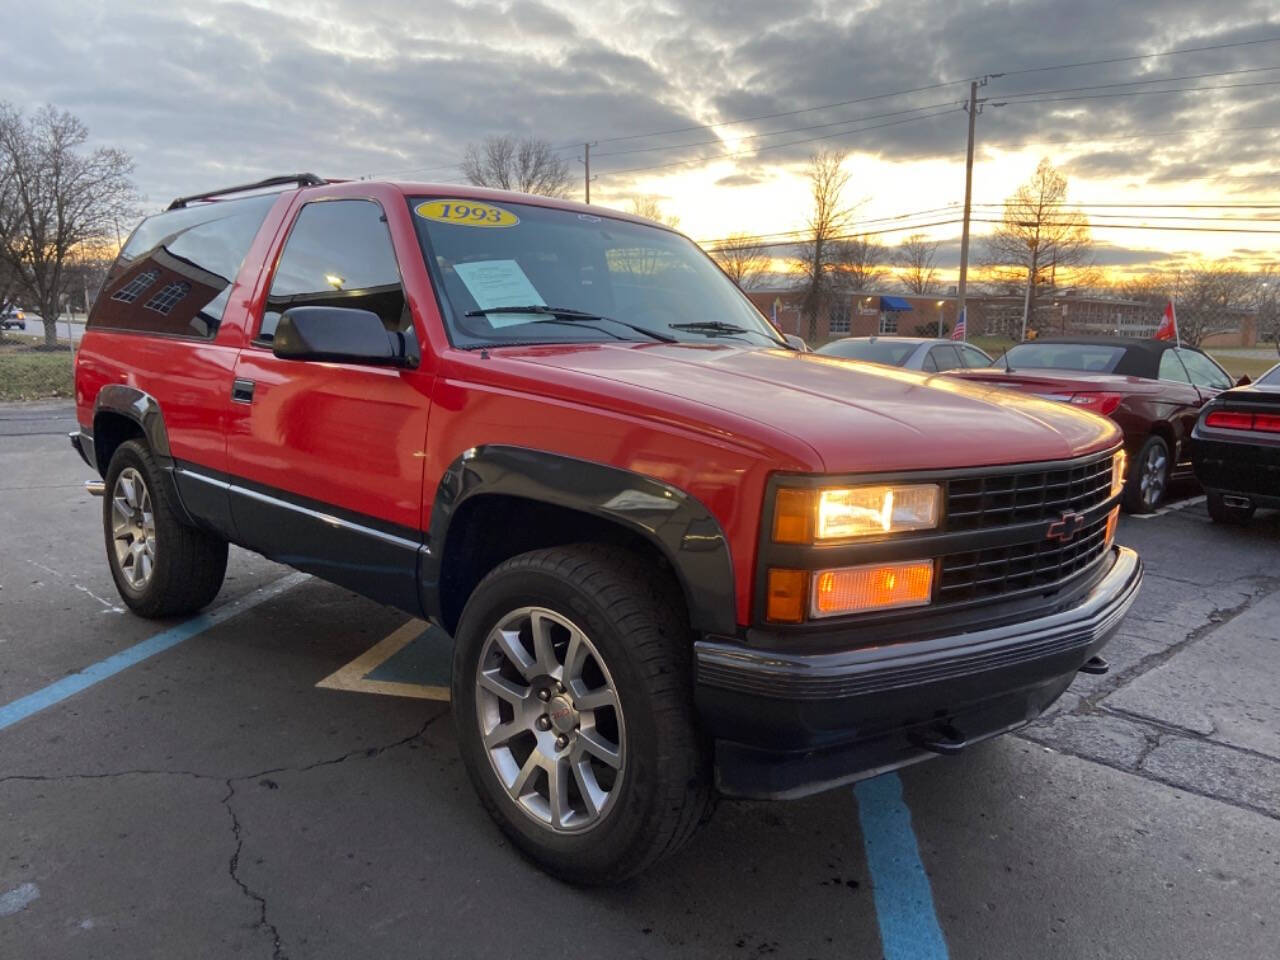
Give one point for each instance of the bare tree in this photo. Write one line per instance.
(527, 165)
(1267, 299)
(858, 263)
(830, 216)
(916, 258)
(1211, 297)
(54, 198)
(650, 208)
(743, 258)
(1040, 239)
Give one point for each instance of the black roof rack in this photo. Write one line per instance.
(301, 179)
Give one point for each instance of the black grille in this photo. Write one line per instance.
(982, 574)
(1004, 499)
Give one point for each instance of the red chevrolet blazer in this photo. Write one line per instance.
(677, 557)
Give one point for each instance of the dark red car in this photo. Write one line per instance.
(1153, 389)
(676, 556)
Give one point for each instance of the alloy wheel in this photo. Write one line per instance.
(550, 720)
(133, 528)
(1154, 474)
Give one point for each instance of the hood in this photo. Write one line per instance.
(854, 416)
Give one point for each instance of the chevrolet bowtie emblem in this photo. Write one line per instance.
(1065, 528)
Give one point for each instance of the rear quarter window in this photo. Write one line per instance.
(174, 275)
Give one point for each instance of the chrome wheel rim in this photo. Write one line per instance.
(550, 720)
(1154, 468)
(133, 528)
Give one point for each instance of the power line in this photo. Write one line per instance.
(1136, 83)
(1129, 136)
(774, 133)
(1143, 56)
(778, 146)
(784, 113)
(1148, 93)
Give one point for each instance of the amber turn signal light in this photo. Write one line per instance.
(786, 599)
(876, 586)
(1112, 519)
(793, 516)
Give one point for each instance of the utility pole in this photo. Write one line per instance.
(973, 109)
(585, 160)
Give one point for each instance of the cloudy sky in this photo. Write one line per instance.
(206, 93)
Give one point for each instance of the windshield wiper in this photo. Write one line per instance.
(568, 314)
(714, 327)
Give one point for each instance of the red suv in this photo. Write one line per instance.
(677, 556)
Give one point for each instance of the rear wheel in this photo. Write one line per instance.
(1148, 477)
(571, 692)
(1222, 512)
(162, 566)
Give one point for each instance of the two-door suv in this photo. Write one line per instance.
(677, 557)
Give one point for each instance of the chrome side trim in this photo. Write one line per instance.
(327, 518)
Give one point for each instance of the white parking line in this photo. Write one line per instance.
(1169, 508)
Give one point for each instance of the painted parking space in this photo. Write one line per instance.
(413, 661)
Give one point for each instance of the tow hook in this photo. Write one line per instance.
(1095, 666)
(95, 488)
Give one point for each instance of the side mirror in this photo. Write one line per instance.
(796, 343)
(339, 335)
(1244, 380)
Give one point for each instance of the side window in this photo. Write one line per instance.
(338, 254)
(1204, 372)
(973, 357)
(946, 357)
(1171, 368)
(929, 365)
(175, 273)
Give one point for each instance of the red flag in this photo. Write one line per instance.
(1168, 329)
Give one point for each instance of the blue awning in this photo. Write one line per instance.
(895, 303)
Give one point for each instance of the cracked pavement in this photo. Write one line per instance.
(212, 802)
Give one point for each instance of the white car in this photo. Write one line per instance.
(12, 317)
(912, 353)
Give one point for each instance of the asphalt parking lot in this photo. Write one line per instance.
(201, 796)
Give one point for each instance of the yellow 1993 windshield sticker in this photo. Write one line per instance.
(466, 213)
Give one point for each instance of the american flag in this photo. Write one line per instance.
(959, 333)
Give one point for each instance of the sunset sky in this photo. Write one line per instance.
(207, 93)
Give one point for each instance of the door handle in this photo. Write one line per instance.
(242, 391)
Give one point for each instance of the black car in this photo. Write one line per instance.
(1236, 449)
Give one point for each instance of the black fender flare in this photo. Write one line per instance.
(676, 523)
(119, 399)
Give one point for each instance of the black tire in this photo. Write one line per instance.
(1144, 489)
(189, 564)
(1219, 512)
(664, 788)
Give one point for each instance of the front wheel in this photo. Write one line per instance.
(571, 694)
(1148, 476)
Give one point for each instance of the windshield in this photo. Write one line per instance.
(1083, 357)
(889, 352)
(595, 278)
(1272, 377)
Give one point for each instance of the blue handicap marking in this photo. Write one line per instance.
(426, 660)
(908, 921)
(413, 661)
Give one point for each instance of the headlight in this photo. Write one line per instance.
(1117, 472)
(842, 513)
